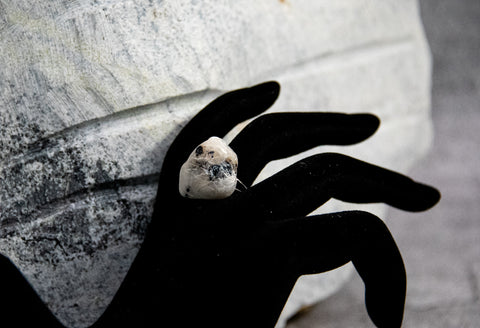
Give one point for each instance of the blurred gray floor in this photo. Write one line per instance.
(440, 247)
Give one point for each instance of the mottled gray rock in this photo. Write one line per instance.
(93, 92)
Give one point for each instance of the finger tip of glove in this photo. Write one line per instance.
(426, 198)
(433, 196)
(370, 121)
(364, 125)
(269, 88)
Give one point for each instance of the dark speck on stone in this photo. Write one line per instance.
(214, 172)
(227, 167)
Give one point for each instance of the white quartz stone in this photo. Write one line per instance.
(210, 172)
(92, 93)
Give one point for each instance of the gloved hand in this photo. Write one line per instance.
(232, 262)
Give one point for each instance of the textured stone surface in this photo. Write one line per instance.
(210, 172)
(93, 92)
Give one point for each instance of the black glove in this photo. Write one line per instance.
(233, 262)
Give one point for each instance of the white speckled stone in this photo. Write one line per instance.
(93, 92)
(210, 172)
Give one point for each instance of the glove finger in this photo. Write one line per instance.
(280, 135)
(216, 119)
(302, 187)
(324, 242)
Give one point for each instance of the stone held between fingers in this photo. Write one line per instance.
(210, 171)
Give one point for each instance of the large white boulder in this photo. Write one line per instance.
(93, 92)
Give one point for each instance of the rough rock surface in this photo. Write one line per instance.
(93, 92)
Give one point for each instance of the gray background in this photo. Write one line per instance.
(440, 247)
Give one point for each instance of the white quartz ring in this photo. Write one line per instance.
(210, 171)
